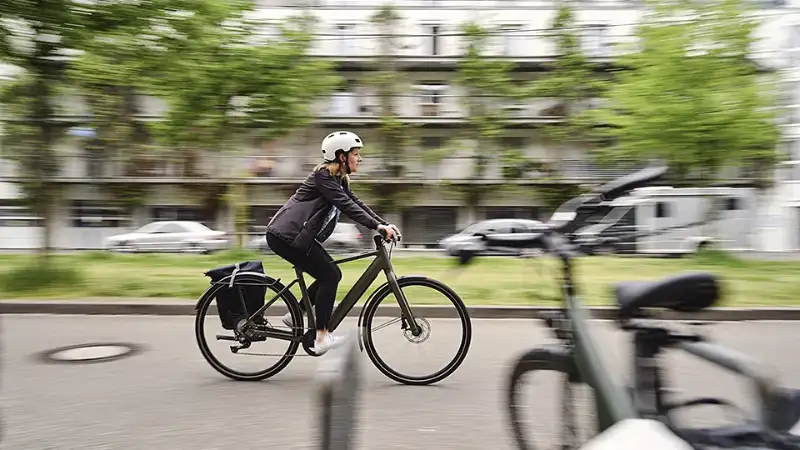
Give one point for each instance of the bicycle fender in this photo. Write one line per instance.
(380, 290)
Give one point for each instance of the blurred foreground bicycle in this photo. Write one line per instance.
(577, 358)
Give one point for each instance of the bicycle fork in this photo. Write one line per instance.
(406, 314)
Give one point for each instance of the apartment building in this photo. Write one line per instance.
(429, 46)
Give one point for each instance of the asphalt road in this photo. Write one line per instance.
(167, 397)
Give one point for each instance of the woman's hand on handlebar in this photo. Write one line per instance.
(389, 232)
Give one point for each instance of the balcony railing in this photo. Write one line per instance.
(433, 106)
(78, 168)
(451, 45)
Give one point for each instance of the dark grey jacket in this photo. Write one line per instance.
(300, 220)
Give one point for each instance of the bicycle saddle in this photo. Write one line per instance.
(687, 292)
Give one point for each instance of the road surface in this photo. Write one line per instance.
(167, 397)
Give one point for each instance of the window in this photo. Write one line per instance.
(510, 37)
(189, 213)
(346, 39)
(500, 227)
(94, 162)
(513, 143)
(431, 97)
(793, 45)
(14, 213)
(432, 142)
(172, 228)
(98, 214)
(596, 40)
(150, 227)
(662, 209)
(431, 91)
(433, 36)
(732, 204)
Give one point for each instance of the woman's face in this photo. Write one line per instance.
(353, 160)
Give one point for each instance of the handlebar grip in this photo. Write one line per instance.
(398, 236)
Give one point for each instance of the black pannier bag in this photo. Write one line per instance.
(236, 301)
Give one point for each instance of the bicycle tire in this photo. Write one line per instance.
(272, 285)
(540, 359)
(372, 308)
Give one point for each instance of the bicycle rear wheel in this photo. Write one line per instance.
(251, 343)
(428, 291)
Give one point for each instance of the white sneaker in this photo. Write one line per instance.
(287, 320)
(328, 342)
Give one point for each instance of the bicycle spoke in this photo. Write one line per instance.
(386, 324)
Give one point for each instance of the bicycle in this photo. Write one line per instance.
(415, 328)
(577, 358)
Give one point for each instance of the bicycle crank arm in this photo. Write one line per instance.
(222, 337)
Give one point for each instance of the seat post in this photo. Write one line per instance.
(647, 372)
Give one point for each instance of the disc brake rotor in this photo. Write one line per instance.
(425, 332)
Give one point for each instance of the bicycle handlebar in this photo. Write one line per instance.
(398, 236)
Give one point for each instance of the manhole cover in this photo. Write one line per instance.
(90, 353)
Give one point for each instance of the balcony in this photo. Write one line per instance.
(291, 169)
(527, 48)
(430, 108)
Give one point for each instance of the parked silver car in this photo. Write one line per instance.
(170, 236)
(345, 237)
(469, 239)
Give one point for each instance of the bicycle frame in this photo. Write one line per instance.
(648, 391)
(612, 403)
(381, 263)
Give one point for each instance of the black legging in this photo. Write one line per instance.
(319, 264)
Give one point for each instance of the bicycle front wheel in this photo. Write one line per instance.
(572, 430)
(387, 329)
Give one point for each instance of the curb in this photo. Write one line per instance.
(434, 312)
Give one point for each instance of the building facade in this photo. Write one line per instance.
(429, 45)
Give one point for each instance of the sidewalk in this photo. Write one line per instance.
(185, 307)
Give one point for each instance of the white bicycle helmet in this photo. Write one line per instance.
(339, 141)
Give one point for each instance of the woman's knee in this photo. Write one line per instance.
(333, 275)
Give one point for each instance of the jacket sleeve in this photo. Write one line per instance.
(335, 194)
(366, 208)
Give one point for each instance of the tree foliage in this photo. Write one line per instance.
(118, 61)
(488, 89)
(225, 72)
(390, 83)
(35, 38)
(200, 57)
(572, 79)
(692, 97)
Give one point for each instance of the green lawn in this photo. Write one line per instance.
(488, 281)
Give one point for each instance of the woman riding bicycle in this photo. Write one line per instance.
(308, 218)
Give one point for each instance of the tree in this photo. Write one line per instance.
(572, 79)
(35, 38)
(395, 134)
(118, 61)
(691, 97)
(488, 88)
(223, 80)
